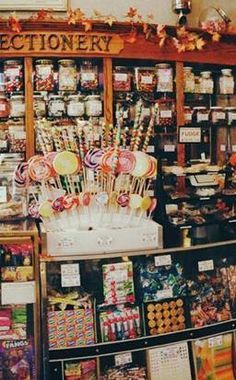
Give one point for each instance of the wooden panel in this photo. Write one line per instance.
(180, 109)
(108, 90)
(29, 112)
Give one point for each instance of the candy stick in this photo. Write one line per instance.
(138, 111)
(149, 131)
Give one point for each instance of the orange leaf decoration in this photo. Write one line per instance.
(109, 20)
(75, 16)
(87, 25)
(216, 37)
(14, 23)
(43, 15)
(132, 12)
(161, 34)
(200, 43)
(132, 37)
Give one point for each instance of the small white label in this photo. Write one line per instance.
(169, 148)
(233, 148)
(188, 117)
(75, 109)
(150, 149)
(220, 115)
(123, 359)
(162, 260)
(2, 107)
(165, 293)
(205, 265)
(231, 116)
(3, 194)
(87, 77)
(215, 341)
(190, 135)
(149, 193)
(18, 293)
(119, 77)
(17, 109)
(202, 117)
(70, 275)
(3, 144)
(12, 73)
(44, 71)
(146, 79)
(222, 147)
(119, 275)
(166, 114)
(19, 135)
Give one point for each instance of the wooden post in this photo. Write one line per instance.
(180, 109)
(108, 90)
(29, 112)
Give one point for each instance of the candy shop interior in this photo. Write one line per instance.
(117, 192)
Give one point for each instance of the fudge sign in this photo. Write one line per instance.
(43, 42)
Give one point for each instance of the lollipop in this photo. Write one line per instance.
(153, 206)
(49, 157)
(142, 164)
(146, 203)
(126, 162)
(106, 161)
(84, 198)
(123, 200)
(135, 201)
(113, 198)
(45, 209)
(92, 158)
(21, 176)
(58, 204)
(102, 198)
(33, 209)
(70, 202)
(66, 163)
(39, 169)
(152, 172)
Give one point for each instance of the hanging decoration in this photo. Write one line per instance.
(180, 38)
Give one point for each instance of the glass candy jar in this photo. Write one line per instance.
(89, 76)
(226, 82)
(44, 75)
(93, 105)
(17, 106)
(121, 79)
(189, 80)
(206, 83)
(166, 112)
(217, 115)
(200, 115)
(75, 106)
(39, 106)
(188, 113)
(56, 106)
(13, 76)
(4, 107)
(164, 74)
(145, 78)
(67, 75)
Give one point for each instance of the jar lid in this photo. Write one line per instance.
(12, 62)
(44, 62)
(188, 68)
(162, 66)
(75, 97)
(91, 97)
(38, 96)
(187, 107)
(226, 71)
(121, 68)
(230, 108)
(17, 97)
(199, 108)
(205, 73)
(216, 108)
(56, 97)
(152, 69)
(66, 62)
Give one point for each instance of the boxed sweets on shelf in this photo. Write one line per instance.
(13, 322)
(16, 262)
(80, 370)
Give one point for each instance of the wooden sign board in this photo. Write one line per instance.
(38, 43)
(189, 135)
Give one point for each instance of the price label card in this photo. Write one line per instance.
(169, 148)
(3, 194)
(18, 293)
(162, 260)
(189, 135)
(70, 275)
(205, 265)
(123, 359)
(165, 293)
(222, 147)
(233, 148)
(150, 149)
(215, 341)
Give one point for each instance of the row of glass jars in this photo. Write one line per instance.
(204, 84)
(13, 107)
(68, 75)
(146, 79)
(74, 106)
(215, 115)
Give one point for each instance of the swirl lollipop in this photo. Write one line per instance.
(92, 158)
(58, 204)
(142, 164)
(126, 162)
(21, 177)
(123, 200)
(33, 209)
(39, 169)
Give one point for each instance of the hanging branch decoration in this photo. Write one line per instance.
(13, 23)
(183, 40)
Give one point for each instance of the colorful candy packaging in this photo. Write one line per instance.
(159, 281)
(125, 373)
(82, 370)
(214, 358)
(209, 294)
(118, 285)
(17, 360)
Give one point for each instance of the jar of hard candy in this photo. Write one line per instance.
(67, 75)
(39, 106)
(226, 82)
(13, 76)
(44, 75)
(17, 138)
(121, 79)
(4, 107)
(206, 83)
(188, 113)
(88, 76)
(164, 74)
(146, 79)
(75, 106)
(217, 115)
(231, 115)
(189, 80)
(93, 105)
(166, 112)
(200, 114)
(17, 106)
(56, 106)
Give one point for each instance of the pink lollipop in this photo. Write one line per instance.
(84, 198)
(70, 202)
(58, 204)
(21, 176)
(92, 158)
(106, 161)
(33, 209)
(123, 200)
(126, 161)
(39, 169)
(49, 157)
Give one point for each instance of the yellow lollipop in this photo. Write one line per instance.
(146, 203)
(65, 163)
(135, 201)
(45, 209)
